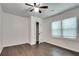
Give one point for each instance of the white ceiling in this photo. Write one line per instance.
(21, 9)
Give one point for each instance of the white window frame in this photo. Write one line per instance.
(62, 37)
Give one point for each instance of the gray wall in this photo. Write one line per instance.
(1, 13)
(15, 29)
(66, 43)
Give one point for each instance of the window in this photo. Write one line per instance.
(66, 28)
(69, 27)
(56, 29)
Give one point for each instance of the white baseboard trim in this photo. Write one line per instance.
(7, 45)
(32, 43)
(64, 47)
(35, 43)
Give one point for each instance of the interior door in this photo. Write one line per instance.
(37, 32)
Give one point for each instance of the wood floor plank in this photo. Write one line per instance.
(43, 49)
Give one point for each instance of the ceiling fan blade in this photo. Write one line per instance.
(43, 6)
(28, 4)
(39, 11)
(38, 4)
(31, 10)
(34, 4)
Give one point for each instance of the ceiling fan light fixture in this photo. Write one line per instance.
(31, 4)
(36, 9)
(37, 4)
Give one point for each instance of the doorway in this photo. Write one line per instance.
(37, 32)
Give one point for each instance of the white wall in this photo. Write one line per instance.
(33, 29)
(20, 30)
(1, 13)
(69, 44)
(15, 29)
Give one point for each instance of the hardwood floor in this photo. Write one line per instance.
(43, 49)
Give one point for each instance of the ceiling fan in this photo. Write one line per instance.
(36, 7)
